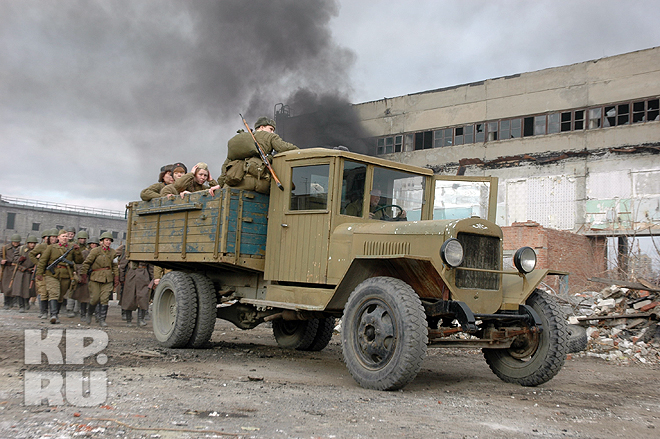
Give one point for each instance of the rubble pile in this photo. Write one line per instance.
(621, 323)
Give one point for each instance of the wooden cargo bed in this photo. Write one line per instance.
(227, 230)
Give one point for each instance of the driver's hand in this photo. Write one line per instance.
(371, 215)
(402, 214)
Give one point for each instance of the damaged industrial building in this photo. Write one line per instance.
(575, 149)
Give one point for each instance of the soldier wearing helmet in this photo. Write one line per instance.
(23, 287)
(9, 263)
(103, 278)
(40, 285)
(57, 283)
(72, 303)
(243, 154)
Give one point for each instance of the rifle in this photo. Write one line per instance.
(34, 273)
(62, 258)
(262, 154)
(13, 275)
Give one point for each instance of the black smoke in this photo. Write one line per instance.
(135, 84)
(326, 120)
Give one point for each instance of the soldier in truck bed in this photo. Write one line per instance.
(198, 179)
(242, 156)
(164, 178)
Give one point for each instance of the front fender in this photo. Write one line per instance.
(419, 273)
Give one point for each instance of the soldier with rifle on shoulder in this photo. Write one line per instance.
(55, 267)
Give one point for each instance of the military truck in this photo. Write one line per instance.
(407, 259)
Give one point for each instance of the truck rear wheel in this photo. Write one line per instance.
(295, 334)
(206, 311)
(174, 309)
(384, 334)
(536, 359)
(323, 334)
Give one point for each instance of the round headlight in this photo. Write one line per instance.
(525, 259)
(452, 252)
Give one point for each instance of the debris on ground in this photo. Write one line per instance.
(621, 321)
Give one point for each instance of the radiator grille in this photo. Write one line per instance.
(386, 248)
(480, 252)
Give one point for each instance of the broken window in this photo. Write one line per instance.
(528, 126)
(516, 128)
(610, 116)
(480, 130)
(380, 149)
(639, 112)
(653, 107)
(505, 129)
(553, 123)
(458, 138)
(398, 142)
(492, 131)
(595, 118)
(623, 114)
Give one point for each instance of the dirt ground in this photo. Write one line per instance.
(243, 385)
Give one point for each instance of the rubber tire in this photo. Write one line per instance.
(174, 310)
(206, 311)
(323, 335)
(577, 339)
(549, 356)
(295, 334)
(387, 306)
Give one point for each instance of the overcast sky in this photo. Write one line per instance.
(95, 96)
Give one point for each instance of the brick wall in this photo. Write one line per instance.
(583, 257)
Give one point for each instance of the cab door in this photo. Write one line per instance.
(303, 229)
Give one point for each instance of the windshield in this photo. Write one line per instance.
(396, 195)
(455, 199)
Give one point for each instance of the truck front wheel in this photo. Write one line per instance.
(385, 335)
(534, 359)
(175, 310)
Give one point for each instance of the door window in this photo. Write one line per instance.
(309, 190)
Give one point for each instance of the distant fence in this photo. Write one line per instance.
(60, 207)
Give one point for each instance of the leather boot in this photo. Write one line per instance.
(90, 311)
(129, 318)
(7, 302)
(103, 313)
(140, 318)
(43, 309)
(21, 304)
(54, 311)
(83, 311)
(70, 306)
